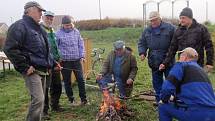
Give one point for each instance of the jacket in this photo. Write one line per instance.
(128, 67)
(27, 45)
(157, 43)
(197, 37)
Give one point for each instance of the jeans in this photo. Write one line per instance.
(169, 111)
(77, 69)
(35, 85)
(157, 80)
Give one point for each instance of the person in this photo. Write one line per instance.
(27, 48)
(72, 50)
(188, 83)
(191, 34)
(54, 81)
(123, 66)
(156, 39)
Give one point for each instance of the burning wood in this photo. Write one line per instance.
(112, 109)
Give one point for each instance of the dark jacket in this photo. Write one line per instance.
(197, 37)
(128, 67)
(157, 42)
(27, 45)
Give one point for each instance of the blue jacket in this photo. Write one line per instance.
(157, 41)
(188, 82)
(27, 45)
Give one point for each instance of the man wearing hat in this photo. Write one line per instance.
(122, 65)
(54, 80)
(187, 93)
(156, 40)
(191, 34)
(72, 50)
(27, 47)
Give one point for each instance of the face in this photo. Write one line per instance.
(48, 20)
(67, 26)
(155, 22)
(185, 21)
(35, 13)
(119, 52)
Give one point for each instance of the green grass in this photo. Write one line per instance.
(14, 98)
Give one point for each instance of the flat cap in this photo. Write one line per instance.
(154, 15)
(48, 13)
(119, 44)
(33, 4)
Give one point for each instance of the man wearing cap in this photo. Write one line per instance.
(72, 50)
(187, 93)
(27, 48)
(123, 66)
(191, 34)
(156, 40)
(54, 80)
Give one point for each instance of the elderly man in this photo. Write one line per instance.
(123, 66)
(28, 49)
(191, 34)
(54, 80)
(194, 98)
(156, 39)
(72, 50)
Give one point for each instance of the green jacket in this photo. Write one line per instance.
(52, 40)
(128, 67)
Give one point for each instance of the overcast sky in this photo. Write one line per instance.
(12, 10)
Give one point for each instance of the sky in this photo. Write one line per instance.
(12, 10)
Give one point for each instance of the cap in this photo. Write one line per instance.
(154, 15)
(33, 4)
(187, 12)
(67, 20)
(119, 44)
(190, 51)
(49, 13)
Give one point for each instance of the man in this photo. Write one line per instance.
(191, 34)
(54, 81)
(72, 50)
(123, 66)
(156, 39)
(194, 98)
(28, 49)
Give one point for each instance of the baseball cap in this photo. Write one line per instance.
(33, 4)
(119, 44)
(190, 51)
(154, 15)
(49, 13)
(67, 20)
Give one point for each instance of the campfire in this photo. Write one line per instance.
(112, 108)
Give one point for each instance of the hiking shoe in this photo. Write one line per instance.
(84, 103)
(46, 116)
(73, 103)
(58, 109)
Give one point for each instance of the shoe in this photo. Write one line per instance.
(46, 116)
(84, 103)
(58, 109)
(74, 104)
(155, 104)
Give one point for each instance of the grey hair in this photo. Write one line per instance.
(26, 11)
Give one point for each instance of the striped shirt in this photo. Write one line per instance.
(71, 45)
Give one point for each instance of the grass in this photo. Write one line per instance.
(14, 98)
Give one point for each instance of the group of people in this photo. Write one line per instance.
(40, 55)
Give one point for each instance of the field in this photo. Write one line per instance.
(14, 98)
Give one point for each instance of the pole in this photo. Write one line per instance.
(143, 16)
(187, 3)
(158, 6)
(206, 10)
(100, 13)
(172, 10)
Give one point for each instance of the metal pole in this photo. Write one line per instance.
(158, 6)
(143, 16)
(100, 13)
(172, 10)
(188, 3)
(206, 10)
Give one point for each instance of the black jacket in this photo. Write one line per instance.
(27, 45)
(197, 37)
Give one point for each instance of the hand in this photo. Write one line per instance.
(58, 67)
(82, 59)
(129, 81)
(161, 67)
(208, 68)
(99, 77)
(30, 70)
(142, 57)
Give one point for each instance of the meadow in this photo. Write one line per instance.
(14, 98)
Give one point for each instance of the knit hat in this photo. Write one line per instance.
(33, 4)
(190, 51)
(187, 12)
(154, 15)
(119, 44)
(67, 20)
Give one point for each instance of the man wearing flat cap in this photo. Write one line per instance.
(72, 49)
(54, 80)
(122, 65)
(155, 42)
(187, 93)
(190, 33)
(27, 47)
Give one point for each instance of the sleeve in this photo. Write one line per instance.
(81, 46)
(134, 68)
(106, 64)
(208, 46)
(172, 82)
(13, 45)
(142, 45)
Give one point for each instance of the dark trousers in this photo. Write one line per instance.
(76, 67)
(54, 84)
(157, 80)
